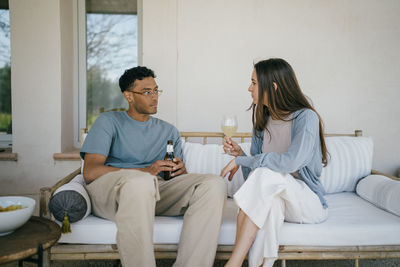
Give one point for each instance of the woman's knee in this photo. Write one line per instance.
(265, 174)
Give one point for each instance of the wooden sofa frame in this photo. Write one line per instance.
(169, 251)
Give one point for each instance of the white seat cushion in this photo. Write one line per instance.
(352, 221)
(91, 230)
(95, 230)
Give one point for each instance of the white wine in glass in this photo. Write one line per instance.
(229, 125)
(229, 131)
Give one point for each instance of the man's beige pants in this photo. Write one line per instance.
(132, 198)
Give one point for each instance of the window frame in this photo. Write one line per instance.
(80, 71)
(6, 139)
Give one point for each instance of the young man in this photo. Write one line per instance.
(124, 159)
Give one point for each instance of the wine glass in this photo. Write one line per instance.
(229, 125)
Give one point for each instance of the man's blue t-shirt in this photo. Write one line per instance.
(128, 143)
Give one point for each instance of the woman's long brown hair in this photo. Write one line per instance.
(283, 101)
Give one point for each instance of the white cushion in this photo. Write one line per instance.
(166, 229)
(77, 184)
(381, 191)
(352, 221)
(210, 158)
(350, 160)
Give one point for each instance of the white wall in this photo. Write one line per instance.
(160, 51)
(36, 79)
(345, 54)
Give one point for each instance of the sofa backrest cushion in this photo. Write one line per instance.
(210, 158)
(350, 159)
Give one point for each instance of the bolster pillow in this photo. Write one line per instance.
(71, 198)
(381, 191)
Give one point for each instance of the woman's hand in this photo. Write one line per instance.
(230, 168)
(231, 147)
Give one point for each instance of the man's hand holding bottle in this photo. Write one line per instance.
(175, 166)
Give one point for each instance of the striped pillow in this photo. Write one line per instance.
(210, 158)
(350, 160)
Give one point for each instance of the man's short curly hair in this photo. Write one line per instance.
(131, 75)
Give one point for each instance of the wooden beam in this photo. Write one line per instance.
(65, 180)
(70, 155)
(8, 156)
(384, 174)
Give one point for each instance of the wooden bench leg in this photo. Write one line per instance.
(357, 263)
(46, 258)
(283, 263)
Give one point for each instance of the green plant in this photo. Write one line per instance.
(5, 121)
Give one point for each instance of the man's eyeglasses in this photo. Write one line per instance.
(148, 92)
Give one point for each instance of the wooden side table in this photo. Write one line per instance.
(32, 238)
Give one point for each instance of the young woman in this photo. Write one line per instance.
(282, 173)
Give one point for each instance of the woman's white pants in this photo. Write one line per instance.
(269, 198)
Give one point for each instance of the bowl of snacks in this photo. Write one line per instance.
(14, 212)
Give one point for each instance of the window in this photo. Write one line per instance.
(109, 33)
(5, 76)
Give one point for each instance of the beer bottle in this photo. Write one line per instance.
(169, 156)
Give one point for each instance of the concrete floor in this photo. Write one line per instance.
(168, 263)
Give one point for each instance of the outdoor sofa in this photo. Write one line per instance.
(363, 223)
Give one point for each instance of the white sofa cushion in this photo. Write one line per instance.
(381, 191)
(210, 158)
(166, 229)
(350, 160)
(352, 221)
